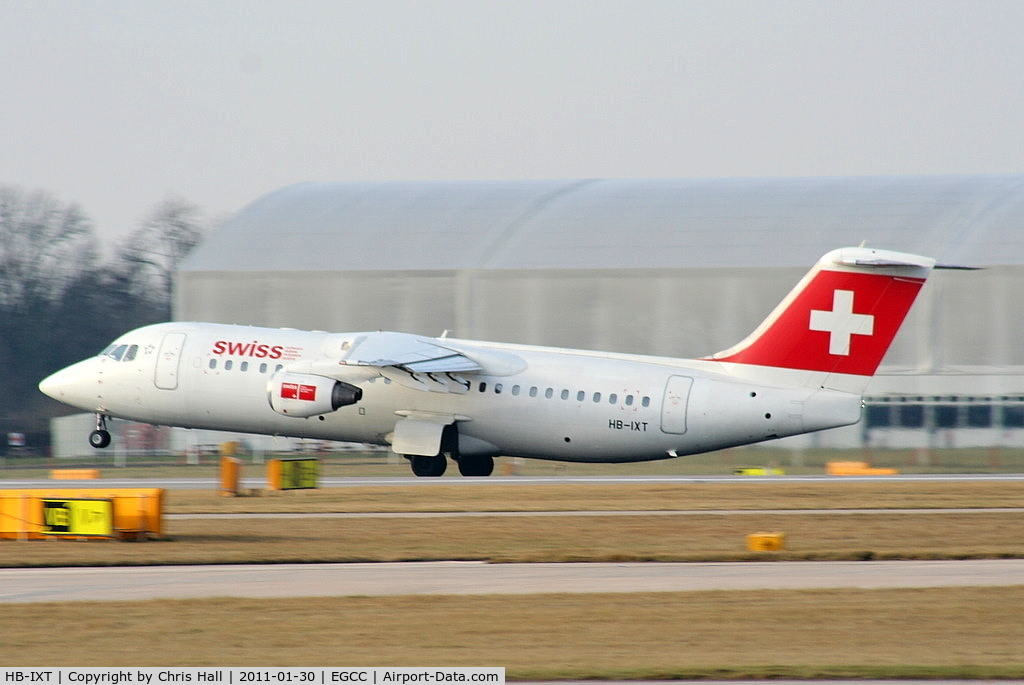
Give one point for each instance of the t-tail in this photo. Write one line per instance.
(833, 329)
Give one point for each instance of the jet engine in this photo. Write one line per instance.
(303, 395)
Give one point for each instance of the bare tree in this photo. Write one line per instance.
(152, 253)
(44, 246)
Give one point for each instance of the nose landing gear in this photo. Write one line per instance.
(100, 437)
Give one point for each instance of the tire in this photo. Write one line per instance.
(476, 466)
(429, 467)
(99, 439)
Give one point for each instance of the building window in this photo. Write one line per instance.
(979, 416)
(911, 416)
(1013, 417)
(946, 416)
(877, 416)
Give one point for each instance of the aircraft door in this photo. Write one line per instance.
(673, 406)
(168, 361)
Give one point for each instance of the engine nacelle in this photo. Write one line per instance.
(303, 395)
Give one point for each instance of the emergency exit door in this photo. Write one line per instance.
(168, 360)
(673, 406)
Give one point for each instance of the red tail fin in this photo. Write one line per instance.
(841, 317)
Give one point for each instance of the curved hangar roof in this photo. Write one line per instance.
(608, 224)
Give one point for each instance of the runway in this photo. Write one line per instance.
(475, 578)
(406, 481)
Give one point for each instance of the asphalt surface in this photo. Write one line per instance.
(475, 578)
(111, 481)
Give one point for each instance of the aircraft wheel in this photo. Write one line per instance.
(99, 439)
(476, 466)
(430, 467)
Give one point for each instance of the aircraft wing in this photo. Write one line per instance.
(428, 364)
(410, 353)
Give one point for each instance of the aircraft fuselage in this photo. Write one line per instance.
(570, 405)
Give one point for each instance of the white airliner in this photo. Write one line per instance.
(803, 369)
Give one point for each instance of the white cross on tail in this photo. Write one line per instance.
(841, 323)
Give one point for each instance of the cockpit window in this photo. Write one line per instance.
(121, 353)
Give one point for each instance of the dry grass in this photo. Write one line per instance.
(955, 632)
(596, 496)
(564, 538)
(545, 538)
(943, 632)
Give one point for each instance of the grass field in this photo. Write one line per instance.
(942, 632)
(948, 633)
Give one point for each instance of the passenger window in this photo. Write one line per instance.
(227, 365)
(565, 394)
(613, 399)
(244, 366)
(580, 396)
(646, 402)
(213, 363)
(549, 393)
(483, 387)
(629, 400)
(279, 367)
(263, 367)
(533, 391)
(597, 397)
(130, 354)
(497, 388)
(515, 389)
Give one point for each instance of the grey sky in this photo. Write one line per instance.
(115, 105)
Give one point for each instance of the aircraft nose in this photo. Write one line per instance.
(52, 384)
(77, 385)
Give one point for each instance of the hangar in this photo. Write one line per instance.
(669, 267)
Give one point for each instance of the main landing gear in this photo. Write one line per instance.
(100, 437)
(433, 467)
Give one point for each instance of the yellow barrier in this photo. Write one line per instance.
(74, 474)
(293, 474)
(766, 542)
(758, 471)
(230, 471)
(856, 468)
(134, 512)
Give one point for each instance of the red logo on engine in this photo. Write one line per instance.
(298, 391)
